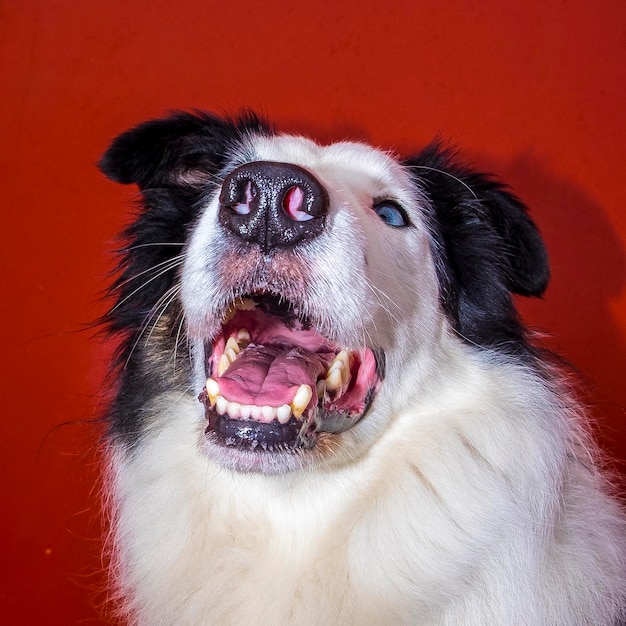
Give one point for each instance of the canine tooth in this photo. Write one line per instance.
(243, 338)
(232, 344)
(344, 357)
(231, 355)
(283, 413)
(221, 404)
(336, 365)
(233, 409)
(268, 412)
(334, 379)
(222, 365)
(345, 375)
(342, 363)
(301, 400)
(212, 390)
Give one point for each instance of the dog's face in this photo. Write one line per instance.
(304, 291)
(309, 269)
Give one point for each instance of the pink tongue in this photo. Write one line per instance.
(270, 375)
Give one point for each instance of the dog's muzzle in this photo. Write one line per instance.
(273, 204)
(274, 383)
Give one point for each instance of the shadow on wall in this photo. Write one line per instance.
(588, 265)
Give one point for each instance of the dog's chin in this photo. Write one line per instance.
(273, 448)
(243, 460)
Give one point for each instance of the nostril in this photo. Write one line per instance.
(246, 192)
(293, 204)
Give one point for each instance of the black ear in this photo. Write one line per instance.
(184, 148)
(486, 247)
(525, 259)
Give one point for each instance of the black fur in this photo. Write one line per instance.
(485, 247)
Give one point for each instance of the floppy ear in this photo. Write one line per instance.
(486, 247)
(525, 259)
(182, 149)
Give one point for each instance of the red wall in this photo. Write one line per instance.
(532, 90)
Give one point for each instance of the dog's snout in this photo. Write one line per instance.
(273, 204)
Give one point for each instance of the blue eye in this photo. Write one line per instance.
(390, 213)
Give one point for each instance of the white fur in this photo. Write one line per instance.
(469, 495)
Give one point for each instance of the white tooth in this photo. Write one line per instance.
(221, 404)
(233, 409)
(212, 390)
(345, 376)
(212, 387)
(231, 355)
(255, 412)
(301, 400)
(321, 388)
(243, 338)
(245, 411)
(337, 364)
(268, 412)
(345, 359)
(222, 365)
(341, 362)
(283, 413)
(333, 379)
(232, 344)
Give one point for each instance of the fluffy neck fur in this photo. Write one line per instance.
(412, 532)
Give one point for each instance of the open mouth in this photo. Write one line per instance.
(274, 383)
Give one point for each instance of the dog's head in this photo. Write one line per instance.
(303, 291)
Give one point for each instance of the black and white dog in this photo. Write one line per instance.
(327, 410)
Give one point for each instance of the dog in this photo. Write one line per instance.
(326, 409)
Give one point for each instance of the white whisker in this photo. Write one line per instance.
(379, 294)
(166, 299)
(181, 315)
(144, 284)
(448, 174)
(170, 263)
(165, 303)
(147, 245)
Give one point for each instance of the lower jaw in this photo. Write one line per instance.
(249, 446)
(241, 457)
(262, 437)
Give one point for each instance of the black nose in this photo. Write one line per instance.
(273, 204)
